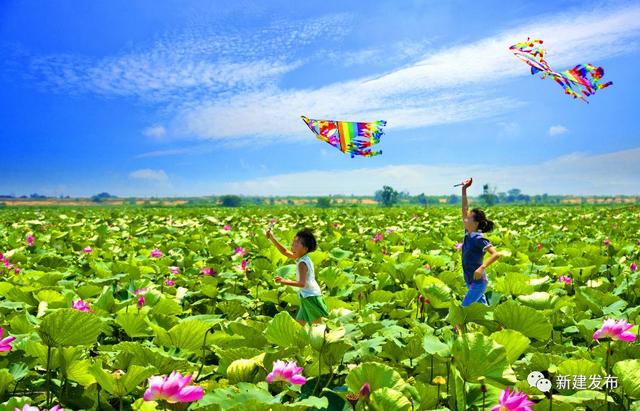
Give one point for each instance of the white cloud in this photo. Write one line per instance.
(449, 85)
(147, 174)
(155, 131)
(577, 173)
(196, 63)
(557, 130)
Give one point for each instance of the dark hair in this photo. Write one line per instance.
(307, 239)
(484, 224)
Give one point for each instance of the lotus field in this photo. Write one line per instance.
(130, 308)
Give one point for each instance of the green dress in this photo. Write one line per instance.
(312, 305)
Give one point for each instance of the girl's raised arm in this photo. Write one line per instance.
(283, 250)
(465, 204)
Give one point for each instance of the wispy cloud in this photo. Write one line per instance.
(449, 85)
(147, 174)
(577, 173)
(187, 66)
(400, 52)
(557, 130)
(155, 131)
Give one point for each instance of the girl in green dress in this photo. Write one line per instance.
(312, 306)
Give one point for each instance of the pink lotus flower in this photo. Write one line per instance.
(286, 371)
(377, 238)
(208, 271)
(174, 270)
(633, 266)
(607, 242)
(243, 265)
(365, 389)
(140, 302)
(169, 282)
(539, 247)
(17, 270)
(565, 279)
(155, 253)
(174, 388)
(616, 330)
(5, 343)
(240, 250)
(458, 246)
(30, 240)
(139, 291)
(227, 227)
(28, 407)
(513, 401)
(87, 250)
(80, 305)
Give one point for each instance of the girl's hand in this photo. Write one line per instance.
(278, 280)
(478, 273)
(467, 183)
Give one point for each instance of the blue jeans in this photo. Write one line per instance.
(475, 293)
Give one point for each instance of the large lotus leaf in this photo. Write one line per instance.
(244, 396)
(187, 335)
(376, 375)
(134, 353)
(628, 371)
(578, 367)
(476, 355)
(245, 369)
(69, 327)
(286, 332)
(339, 254)
(6, 379)
(387, 399)
(539, 300)
(79, 371)
(287, 271)
(228, 356)
(433, 345)
(433, 288)
(118, 384)
(514, 342)
(530, 322)
(513, 284)
(134, 324)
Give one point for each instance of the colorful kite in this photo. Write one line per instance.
(348, 136)
(581, 81)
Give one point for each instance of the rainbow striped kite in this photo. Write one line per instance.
(579, 82)
(348, 136)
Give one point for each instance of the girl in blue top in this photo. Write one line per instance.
(312, 305)
(473, 248)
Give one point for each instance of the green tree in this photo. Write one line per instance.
(231, 201)
(324, 202)
(489, 196)
(387, 196)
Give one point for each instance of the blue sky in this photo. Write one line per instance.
(181, 98)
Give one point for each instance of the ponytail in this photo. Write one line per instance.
(484, 225)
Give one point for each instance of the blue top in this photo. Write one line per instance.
(473, 248)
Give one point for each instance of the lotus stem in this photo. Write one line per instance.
(606, 368)
(48, 375)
